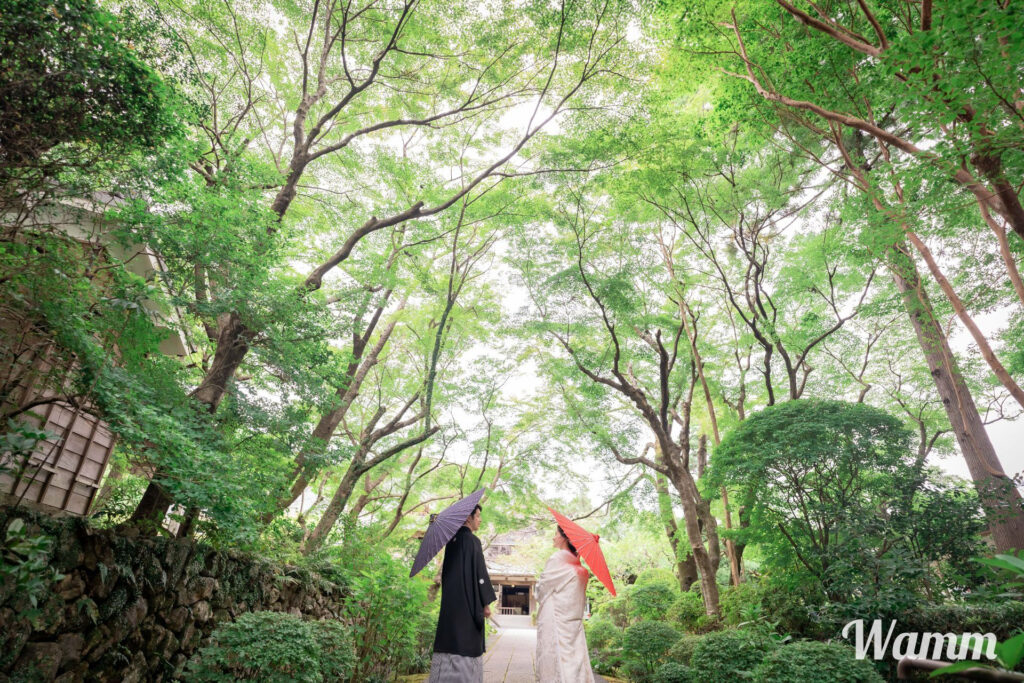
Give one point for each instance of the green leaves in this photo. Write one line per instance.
(73, 79)
(1009, 562)
(25, 571)
(1013, 565)
(278, 647)
(1009, 654)
(833, 490)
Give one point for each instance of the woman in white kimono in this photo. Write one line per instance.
(562, 655)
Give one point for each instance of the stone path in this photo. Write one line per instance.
(509, 656)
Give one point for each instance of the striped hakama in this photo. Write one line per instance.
(449, 668)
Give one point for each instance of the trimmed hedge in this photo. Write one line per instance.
(749, 595)
(276, 647)
(602, 634)
(686, 611)
(673, 672)
(1001, 619)
(647, 643)
(729, 656)
(682, 651)
(651, 601)
(809, 661)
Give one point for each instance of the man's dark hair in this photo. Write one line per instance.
(475, 508)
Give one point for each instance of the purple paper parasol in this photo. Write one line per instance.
(442, 529)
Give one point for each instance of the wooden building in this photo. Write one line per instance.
(63, 473)
(513, 577)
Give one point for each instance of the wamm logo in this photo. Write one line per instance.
(918, 645)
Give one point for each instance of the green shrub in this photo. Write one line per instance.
(392, 621)
(742, 603)
(336, 654)
(635, 671)
(656, 576)
(606, 662)
(1001, 618)
(601, 634)
(682, 651)
(25, 568)
(647, 643)
(794, 601)
(673, 672)
(686, 611)
(651, 601)
(617, 609)
(274, 646)
(810, 661)
(728, 656)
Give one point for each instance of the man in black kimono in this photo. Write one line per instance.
(466, 593)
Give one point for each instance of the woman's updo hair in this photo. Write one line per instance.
(572, 548)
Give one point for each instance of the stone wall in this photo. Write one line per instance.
(135, 609)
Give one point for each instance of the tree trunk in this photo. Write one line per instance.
(153, 507)
(999, 497)
(369, 486)
(990, 166)
(733, 550)
(346, 393)
(232, 347)
(709, 527)
(335, 507)
(322, 433)
(685, 568)
(958, 307)
(692, 517)
(1005, 252)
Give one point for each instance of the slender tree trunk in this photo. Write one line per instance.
(685, 567)
(188, 523)
(999, 497)
(370, 484)
(732, 549)
(690, 326)
(322, 434)
(1004, 252)
(958, 307)
(406, 490)
(325, 427)
(335, 507)
(692, 517)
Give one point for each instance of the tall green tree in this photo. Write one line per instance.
(896, 141)
(339, 85)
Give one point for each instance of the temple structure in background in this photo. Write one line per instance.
(511, 573)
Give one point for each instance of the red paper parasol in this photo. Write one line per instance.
(587, 546)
